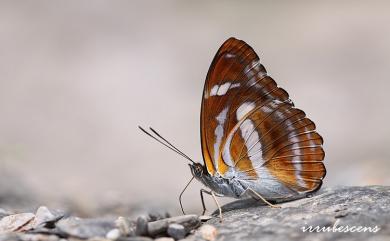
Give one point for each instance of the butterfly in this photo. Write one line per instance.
(255, 142)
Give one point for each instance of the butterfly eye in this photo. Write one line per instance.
(199, 170)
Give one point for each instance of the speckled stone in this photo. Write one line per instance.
(15, 222)
(341, 206)
(142, 226)
(85, 228)
(190, 222)
(176, 231)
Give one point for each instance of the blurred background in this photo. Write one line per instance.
(77, 77)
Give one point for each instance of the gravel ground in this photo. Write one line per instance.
(340, 213)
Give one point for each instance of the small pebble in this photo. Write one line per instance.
(176, 231)
(142, 226)
(164, 239)
(124, 226)
(208, 232)
(160, 226)
(113, 234)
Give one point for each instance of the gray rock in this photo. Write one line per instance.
(176, 231)
(15, 222)
(330, 207)
(142, 226)
(113, 234)
(45, 217)
(208, 232)
(160, 226)
(85, 228)
(125, 226)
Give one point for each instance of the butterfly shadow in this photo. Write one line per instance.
(251, 203)
(240, 204)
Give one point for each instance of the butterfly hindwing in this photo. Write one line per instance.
(250, 129)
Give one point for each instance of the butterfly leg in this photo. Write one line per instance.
(214, 195)
(256, 196)
(181, 194)
(202, 199)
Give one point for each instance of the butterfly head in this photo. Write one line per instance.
(197, 169)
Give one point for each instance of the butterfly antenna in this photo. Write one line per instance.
(165, 142)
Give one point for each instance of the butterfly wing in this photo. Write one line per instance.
(222, 82)
(251, 130)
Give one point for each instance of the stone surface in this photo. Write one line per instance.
(126, 227)
(164, 239)
(113, 234)
(85, 228)
(142, 226)
(44, 217)
(160, 226)
(15, 222)
(208, 232)
(324, 216)
(330, 207)
(176, 231)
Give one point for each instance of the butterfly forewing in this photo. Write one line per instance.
(251, 130)
(223, 77)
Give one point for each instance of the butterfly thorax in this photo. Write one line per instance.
(227, 187)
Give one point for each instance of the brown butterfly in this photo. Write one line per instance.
(255, 143)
